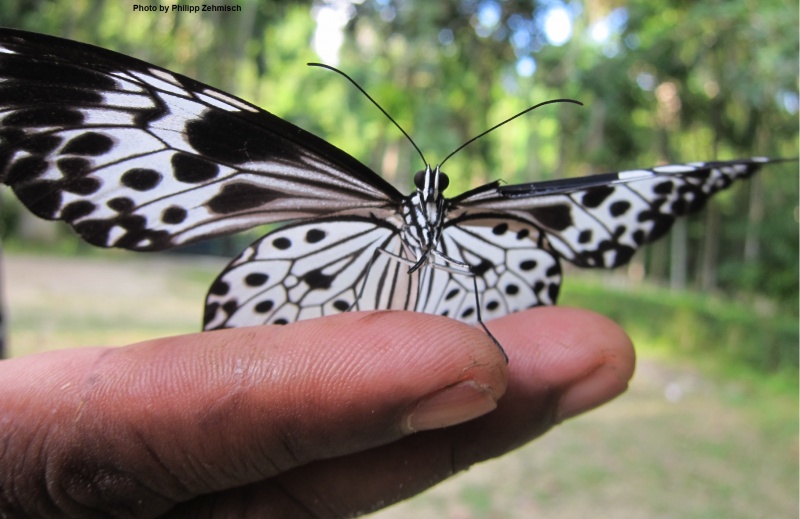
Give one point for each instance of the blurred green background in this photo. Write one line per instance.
(710, 426)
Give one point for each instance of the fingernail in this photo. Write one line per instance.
(450, 406)
(596, 389)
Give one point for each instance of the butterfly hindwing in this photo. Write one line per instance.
(510, 260)
(603, 225)
(312, 269)
(134, 156)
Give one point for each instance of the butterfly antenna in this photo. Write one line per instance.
(353, 81)
(498, 125)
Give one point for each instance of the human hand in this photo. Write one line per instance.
(312, 419)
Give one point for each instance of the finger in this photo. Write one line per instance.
(562, 362)
(142, 427)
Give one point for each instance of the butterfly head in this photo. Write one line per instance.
(430, 183)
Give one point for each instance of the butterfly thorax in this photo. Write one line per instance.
(423, 215)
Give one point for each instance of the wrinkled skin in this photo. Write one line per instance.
(331, 417)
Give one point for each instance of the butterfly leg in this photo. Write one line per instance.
(467, 270)
(480, 318)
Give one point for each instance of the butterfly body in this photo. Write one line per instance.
(423, 214)
(132, 155)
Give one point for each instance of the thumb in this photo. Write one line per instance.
(143, 427)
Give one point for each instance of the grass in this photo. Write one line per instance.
(730, 338)
(703, 432)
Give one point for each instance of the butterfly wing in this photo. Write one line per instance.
(512, 265)
(601, 220)
(134, 156)
(312, 269)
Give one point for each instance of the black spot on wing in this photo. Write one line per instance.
(316, 280)
(174, 215)
(241, 197)
(230, 307)
(594, 197)
(136, 235)
(41, 197)
(555, 217)
(661, 223)
(619, 208)
(90, 143)
(35, 94)
(500, 229)
(193, 170)
(282, 243)
(44, 117)
(623, 255)
(664, 188)
(120, 204)
(679, 207)
(77, 210)
(25, 170)
(481, 268)
(141, 179)
(78, 80)
(553, 291)
(265, 306)
(41, 144)
(256, 279)
(219, 288)
(315, 235)
(74, 167)
(228, 139)
(83, 186)
(210, 313)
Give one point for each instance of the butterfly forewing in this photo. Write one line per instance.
(135, 156)
(603, 226)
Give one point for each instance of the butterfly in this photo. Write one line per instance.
(132, 155)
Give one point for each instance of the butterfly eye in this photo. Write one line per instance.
(419, 179)
(444, 181)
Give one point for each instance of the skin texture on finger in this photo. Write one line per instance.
(562, 362)
(133, 430)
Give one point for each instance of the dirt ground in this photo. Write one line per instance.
(677, 445)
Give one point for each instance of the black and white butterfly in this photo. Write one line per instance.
(134, 156)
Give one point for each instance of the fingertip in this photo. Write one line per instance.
(560, 336)
(580, 357)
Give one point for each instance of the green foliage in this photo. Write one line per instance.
(721, 334)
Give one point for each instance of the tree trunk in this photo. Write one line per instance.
(755, 215)
(709, 259)
(677, 262)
